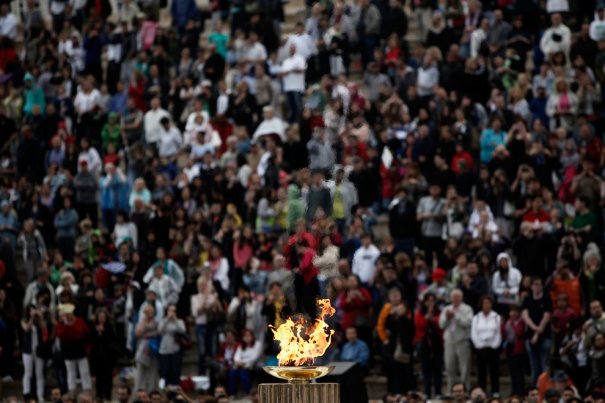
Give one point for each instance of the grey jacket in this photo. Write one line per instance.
(168, 329)
(457, 329)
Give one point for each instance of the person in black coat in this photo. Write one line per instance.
(394, 20)
(473, 285)
(399, 346)
(103, 355)
(402, 222)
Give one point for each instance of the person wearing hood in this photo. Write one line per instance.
(34, 95)
(597, 26)
(439, 34)
(505, 283)
(112, 132)
(296, 208)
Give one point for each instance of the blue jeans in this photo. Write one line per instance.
(206, 345)
(539, 354)
(295, 105)
(239, 374)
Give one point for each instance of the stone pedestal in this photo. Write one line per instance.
(299, 393)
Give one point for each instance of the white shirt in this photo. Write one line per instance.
(192, 127)
(198, 301)
(294, 81)
(92, 157)
(557, 6)
(170, 142)
(151, 122)
(125, 231)
(255, 53)
(364, 263)
(477, 38)
(8, 25)
(512, 283)
(304, 45)
(87, 102)
(249, 356)
(486, 330)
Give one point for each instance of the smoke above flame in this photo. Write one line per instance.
(300, 341)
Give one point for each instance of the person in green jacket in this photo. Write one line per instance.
(34, 96)
(296, 209)
(112, 131)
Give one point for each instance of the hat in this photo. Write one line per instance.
(206, 83)
(439, 275)
(66, 309)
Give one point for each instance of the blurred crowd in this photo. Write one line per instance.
(175, 176)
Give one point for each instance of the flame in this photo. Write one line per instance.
(301, 342)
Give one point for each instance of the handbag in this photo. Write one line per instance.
(216, 314)
(183, 340)
(154, 345)
(401, 356)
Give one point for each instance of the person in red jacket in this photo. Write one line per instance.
(355, 303)
(429, 341)
(306, 284)
(73, 336)
(301, 234)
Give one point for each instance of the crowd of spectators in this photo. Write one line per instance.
(175, 176)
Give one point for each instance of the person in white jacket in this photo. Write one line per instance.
(245, 359)
(505, 283)
(487, 337)
(455, 321)
(557, 38)
(364, 260)
(597, 26)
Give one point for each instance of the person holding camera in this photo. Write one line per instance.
(36, 348)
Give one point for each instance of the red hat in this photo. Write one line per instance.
(439, 275)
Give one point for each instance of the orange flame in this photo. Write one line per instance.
(301, 342)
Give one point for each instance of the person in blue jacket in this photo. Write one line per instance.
(492, 137)
(66, 221)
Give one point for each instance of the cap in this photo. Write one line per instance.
(439, 275)
(206, 83)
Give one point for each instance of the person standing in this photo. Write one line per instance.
(293, 75)
(430, 214)
(146, 377)
(87, 187)
(36, 348)
(103, 353)
(205, 306)
(395, 329)
(537, 309)
(170, 351)
(73, 335)
(66, 221)
(429, 340)
(456, 320)
(486, 337)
